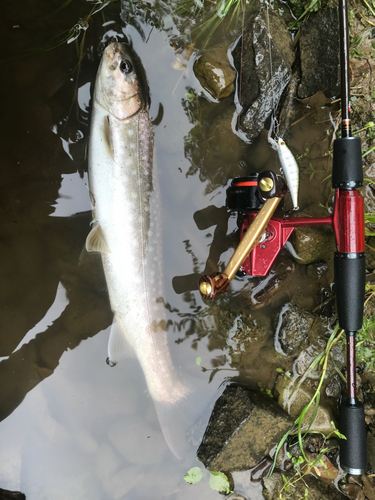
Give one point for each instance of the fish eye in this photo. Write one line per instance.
(126, 66)
(282, 143)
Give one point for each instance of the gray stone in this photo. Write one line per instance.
(320, 54)
(294, 397)
(318, 490)
(214, 72)
(265, 64)
(333, 389)
(244, 426)
(292, 326)
(313, 244)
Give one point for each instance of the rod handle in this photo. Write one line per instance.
(353, 449)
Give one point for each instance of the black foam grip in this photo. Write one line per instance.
(347, 163)
(353, 449)
(350, 280)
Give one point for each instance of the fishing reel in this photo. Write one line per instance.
(244, 196)
(262, 236)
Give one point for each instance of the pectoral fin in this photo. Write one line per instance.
(96, 242)
(118, 346)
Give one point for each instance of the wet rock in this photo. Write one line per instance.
(317, 269)
(11, 495)
(313, 243)
(237, 327)
(369, 486)
(290, 105)
(224, 144)
(292, 325)
(317, 490)
(320, 56)
(333, 389)
(294, 399)
(244, 426)
(353, 491)
(295, 394)
(371, 450)
(266, 44)
(258, 292)
(261, 470)
(214, 72)
(370, 253)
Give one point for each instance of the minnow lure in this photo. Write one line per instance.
(289, 165)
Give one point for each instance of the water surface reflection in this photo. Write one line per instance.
(71, 426)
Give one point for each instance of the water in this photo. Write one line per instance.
(71, 427)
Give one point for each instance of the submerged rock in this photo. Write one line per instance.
(264, 58)
(214, 72)
(313, 243)
(292, 326)
(258, 292)
(320, 53)
(295, 393)
(244, 426)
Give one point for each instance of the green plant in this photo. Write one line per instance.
(218, 10)
(320, 360)
(286, 374)
(262, 389)
(313, 6)
(218, 481)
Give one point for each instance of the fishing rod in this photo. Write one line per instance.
(262, 236)
(349, 261)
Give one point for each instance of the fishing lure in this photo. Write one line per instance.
(289, 165)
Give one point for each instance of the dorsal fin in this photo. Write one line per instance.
(96, 242)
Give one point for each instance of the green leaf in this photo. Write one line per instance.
(194, 475)
(279, 370)
(219, 482)
(338, 434)
(198, 361)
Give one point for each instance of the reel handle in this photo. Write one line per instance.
(212, 285)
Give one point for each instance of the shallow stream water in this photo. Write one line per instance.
(71, 426)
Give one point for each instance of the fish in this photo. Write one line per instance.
(289, 165)
(126, 230)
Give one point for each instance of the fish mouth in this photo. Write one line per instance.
(122, 96)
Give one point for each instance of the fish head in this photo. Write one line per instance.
(117, 86)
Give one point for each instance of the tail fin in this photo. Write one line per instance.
(188, 417)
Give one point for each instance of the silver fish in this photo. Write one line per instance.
(126, 231)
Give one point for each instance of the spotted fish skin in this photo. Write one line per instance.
(126, 229)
